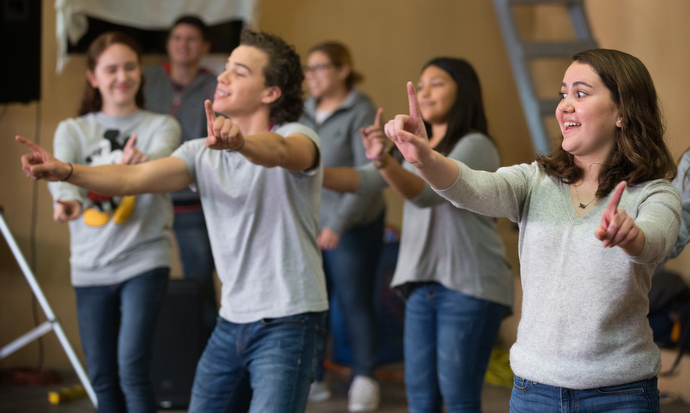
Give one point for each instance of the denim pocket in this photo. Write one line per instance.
(520, 384)
(636, 387)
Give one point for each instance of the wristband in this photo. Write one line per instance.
(375, 158)
(71, 169)
(235, 150)
(383, 162)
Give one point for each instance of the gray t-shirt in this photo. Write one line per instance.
(454, 247)
(584, 309)
(262, 223)
(115, 251)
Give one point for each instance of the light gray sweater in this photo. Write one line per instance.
(584, 308)
(115, 252)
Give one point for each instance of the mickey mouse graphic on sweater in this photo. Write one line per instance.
(108, 151)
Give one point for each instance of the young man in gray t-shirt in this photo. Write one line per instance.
(259, 179)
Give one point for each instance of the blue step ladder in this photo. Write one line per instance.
(521, 53)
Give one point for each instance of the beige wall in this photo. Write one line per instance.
(390, 40)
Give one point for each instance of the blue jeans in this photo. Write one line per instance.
(116, 325)
(197, 260)
(265, 366)
(351, 272)
(636, 397)
(448, 339)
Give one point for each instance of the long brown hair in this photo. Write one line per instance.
(92, 101)
(639, 153)
(340, 56)
(467, 113)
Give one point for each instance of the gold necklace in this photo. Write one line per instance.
(583, 206)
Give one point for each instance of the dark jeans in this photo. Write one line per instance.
(197, 260)
(116, 325)
(265, 366)
(448, 340)
(351, 272)
(637, 397)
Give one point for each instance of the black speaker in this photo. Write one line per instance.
(178, 343)
(20, 48)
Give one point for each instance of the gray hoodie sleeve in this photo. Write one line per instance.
(351, 205)
(474, 150)
(682, 184)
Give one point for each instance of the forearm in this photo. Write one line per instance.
(340, 179)
(267, 149)
(113, 180)
(440, 172)
(159, 176)
(407, 184)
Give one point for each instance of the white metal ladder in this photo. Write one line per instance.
(520, 53)
(51, 324)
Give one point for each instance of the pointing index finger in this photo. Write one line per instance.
(130, 141)
(32, 146)
(210, 117)
(412, 98)
(377, 121)
(616, 198)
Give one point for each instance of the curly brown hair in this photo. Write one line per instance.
(282, 70)
(92, 101)
(639, 153)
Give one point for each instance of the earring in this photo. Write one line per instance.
(619, 121)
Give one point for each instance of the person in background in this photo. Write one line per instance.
(682, 184)
(120, 246)
(179, 88)
(595, 218)
(452, 265)
(350, 225)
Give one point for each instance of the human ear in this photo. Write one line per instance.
(344, 71)
(92, 79)
(271, 94)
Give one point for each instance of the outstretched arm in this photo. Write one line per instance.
(409, 135)
(295, 152)
(159, 176)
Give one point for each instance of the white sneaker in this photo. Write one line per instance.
(364, 395)
(319, 392)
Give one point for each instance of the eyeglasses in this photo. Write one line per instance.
(317, 68)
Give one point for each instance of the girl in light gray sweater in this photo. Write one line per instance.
(451, 262)
(595, 217)
(120, 246)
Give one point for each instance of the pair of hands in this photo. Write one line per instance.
(41, 164)
(408, 133)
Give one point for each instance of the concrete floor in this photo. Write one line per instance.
(33, 399)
